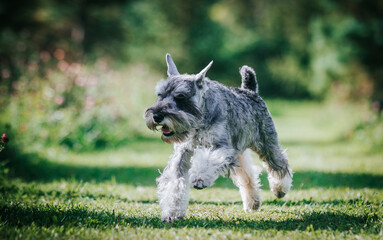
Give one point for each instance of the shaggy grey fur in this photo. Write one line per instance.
(211, 126)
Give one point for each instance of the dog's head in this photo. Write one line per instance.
(177, 110)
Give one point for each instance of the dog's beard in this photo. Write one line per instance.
(176, 126)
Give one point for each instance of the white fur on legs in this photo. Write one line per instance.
(246, 178)
(173, 185)
(280, 185)
(207, 165)
(173, 194)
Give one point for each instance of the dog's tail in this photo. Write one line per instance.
(249, 79)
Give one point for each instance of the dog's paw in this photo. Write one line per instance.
(280, 190)
(280, 187)
(169, 219)
(200, 182)
(251, 201)
(252, 205)
(278, 194)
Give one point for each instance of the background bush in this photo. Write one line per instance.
(81, 108)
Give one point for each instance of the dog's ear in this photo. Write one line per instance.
(172, 69)
(201, 75)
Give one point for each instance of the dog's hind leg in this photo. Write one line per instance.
(173, 185)
(246, 178)
(280, 179)
(274, 158)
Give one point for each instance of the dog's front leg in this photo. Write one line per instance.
(173, 185)
(208, 164)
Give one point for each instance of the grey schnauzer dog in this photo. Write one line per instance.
(211, 127)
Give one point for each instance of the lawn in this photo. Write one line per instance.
(337, 188)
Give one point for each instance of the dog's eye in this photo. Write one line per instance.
(180, 96)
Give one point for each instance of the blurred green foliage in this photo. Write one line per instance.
(75, 73)
(298, 48)
(81, 108)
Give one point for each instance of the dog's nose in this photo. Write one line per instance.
(158, 117)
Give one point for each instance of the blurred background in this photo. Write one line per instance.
(79, 74)
(76, 77)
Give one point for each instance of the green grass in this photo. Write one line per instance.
(337, 192)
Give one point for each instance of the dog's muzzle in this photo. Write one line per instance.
(154, 120)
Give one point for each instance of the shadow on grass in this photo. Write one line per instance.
(278, 202)
(275, 202)
(50, 216)
(12, 190)
(33, 168)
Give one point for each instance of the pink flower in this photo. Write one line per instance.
(4, 138)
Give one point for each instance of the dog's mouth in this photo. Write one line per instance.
(166, 131)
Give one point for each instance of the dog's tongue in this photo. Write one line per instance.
(165, 130)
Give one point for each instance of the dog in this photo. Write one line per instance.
(212, 127)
